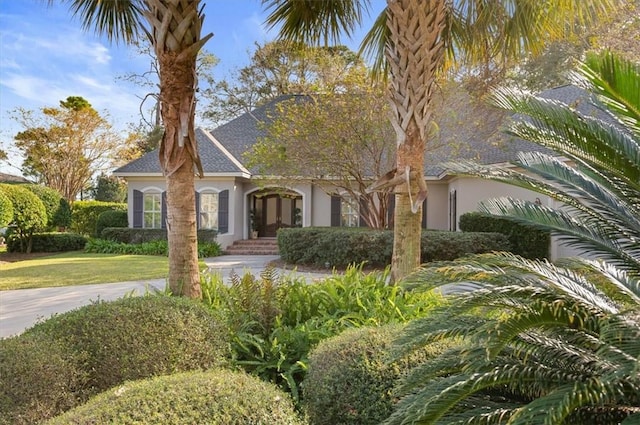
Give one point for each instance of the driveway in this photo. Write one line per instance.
(22, 308)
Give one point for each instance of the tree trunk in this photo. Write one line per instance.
(184, 275)
(414, 53)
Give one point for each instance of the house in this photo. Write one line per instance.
(228, 197)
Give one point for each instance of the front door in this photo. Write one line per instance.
(275, 211)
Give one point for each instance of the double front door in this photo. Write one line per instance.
(275, 211)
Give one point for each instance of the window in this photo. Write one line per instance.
(349, 212)
(208, 211)
(152, 211)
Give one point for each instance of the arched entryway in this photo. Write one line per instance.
(272, 209)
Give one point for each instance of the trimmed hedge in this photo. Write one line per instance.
(339, 246)
(135, 236)
(49, 242)
(39, 379)
(50, 199)
(138, 337)
(213, 397)
(111, 218)
(29, 214)
(6, 210)
(84, 215)
(350, 379)
(525, 241)
(159, 247)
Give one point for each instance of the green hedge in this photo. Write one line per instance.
(29, 213)
(111, 218)
(84, 215)
(138, 337)
(339, 247)
(51, 200)
(350, 377)
(6, 210)
(525, 241)
(133, 236)
(219, 397)
(49, 242)
(158, 247)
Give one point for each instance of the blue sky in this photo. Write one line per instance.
(45, 56)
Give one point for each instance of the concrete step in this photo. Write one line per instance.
(260, 246)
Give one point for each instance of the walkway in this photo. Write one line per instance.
(22, 308)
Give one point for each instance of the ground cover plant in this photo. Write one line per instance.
(79, 268)
(209, 397)
(64, 360)
(275, 320)
(550, 346)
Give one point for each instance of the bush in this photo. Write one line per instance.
(29, 214)
(38, 379)
(111, 218)
(50, 199)
(157, 247)
(339, 247)
(6, 210)
(62, 217)
(138, 337)
(350, 377)
(84, 215)
(525, 240)
(275, 322)
(49, 242)
(213, 397)
(134, 236)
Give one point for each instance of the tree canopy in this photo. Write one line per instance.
(63, 147)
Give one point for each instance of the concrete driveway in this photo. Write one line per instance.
(22, 308)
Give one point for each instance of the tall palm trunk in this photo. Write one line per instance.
(176, 38)
(414, 52)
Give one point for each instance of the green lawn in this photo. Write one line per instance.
(79, 268)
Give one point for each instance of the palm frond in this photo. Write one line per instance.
(118, 20)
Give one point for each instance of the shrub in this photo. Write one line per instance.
(350, 378)
(157, 247)
(138, 337)
(134, 236)
(275, 322)
(525, 240)
(211, 397)
(62, 217)
(29, 214)
(84, 215)
(339, 247)
(111, 218)
(50, 199)
(38, 379)
(50, 242)
(6, 210)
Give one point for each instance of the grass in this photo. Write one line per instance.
(79, 268)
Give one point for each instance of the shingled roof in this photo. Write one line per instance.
(215, 159)
(479, 138)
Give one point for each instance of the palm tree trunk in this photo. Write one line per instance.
(414, 53)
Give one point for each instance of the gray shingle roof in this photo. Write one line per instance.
(483, 141)
(213, 159)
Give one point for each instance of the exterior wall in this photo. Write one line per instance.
(321, 208)
(437, 205)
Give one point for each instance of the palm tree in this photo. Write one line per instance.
(173, 29)
(536, 343)
(415, 39)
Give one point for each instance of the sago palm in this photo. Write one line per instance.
(414, 39)
(173, 29)
(538, 343)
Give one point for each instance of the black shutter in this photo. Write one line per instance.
(453, 205)
(197, 210)
(223, 211)
(362, 210)
(137, 209)
(391, 207)
(335, 211)
(424, 214)
(163, 210)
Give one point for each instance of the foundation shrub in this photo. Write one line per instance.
(138, 337)
(210, 397)
(49, 242)
(525, 241)
(340, 247)
(350, 377)
(136, 236)
(111, 218)
(39, 379)
(84, 215)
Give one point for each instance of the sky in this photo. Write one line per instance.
(46, 56)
